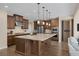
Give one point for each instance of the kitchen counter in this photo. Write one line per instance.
(17, 34)
(11, 38)
(38, 37)
(33, 45)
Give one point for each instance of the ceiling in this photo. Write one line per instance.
(29, 10)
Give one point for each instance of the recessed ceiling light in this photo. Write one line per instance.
(6, 6)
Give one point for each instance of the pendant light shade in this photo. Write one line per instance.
(43, 23)
(47, 23)
(38, 22)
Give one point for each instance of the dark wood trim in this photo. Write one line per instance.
(17, 15)
(62, 29)
(72, 27)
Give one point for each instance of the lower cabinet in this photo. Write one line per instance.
(31, 47)
(10, 40)
(20, 46)
(54, 38)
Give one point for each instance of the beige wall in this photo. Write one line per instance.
(3, 29)
(76, 21)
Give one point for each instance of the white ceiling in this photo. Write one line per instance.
(30, 9)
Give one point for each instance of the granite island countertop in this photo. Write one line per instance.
(38, 37)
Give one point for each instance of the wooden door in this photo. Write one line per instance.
(65, 30)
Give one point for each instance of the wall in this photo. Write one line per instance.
(3, 29)
(76, 21)
(60, 25)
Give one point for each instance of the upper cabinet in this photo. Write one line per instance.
(35, 25)
(18, 18)
(10, 22)
(25, 24)
(55, 22)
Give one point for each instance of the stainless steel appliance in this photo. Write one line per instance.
(54, 30)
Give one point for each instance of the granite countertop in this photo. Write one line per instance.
(38, 37)
(17, 34)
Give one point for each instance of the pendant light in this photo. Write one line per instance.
(47, 23)
(49, 14)
(43, 15)
(49, 17)
(46, 17)
(38, 22)
(46, 14)
(43, 23)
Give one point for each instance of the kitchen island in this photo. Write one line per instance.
(33, 44)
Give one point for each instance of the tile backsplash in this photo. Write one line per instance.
(17, 30)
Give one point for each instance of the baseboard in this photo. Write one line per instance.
(3, 47)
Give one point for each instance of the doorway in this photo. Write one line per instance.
(67, 29)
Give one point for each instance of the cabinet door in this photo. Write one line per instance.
(20, 46)
(25, 24)
(17, 18)
(10, 22)
(35, 25)
(55, 23)
(10, 40)
(20, 18)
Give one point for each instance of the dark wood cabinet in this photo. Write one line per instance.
(20, 46)
(25, 24)
(10, 22)
(35, 25)
(55, 22)
(18, 18)
(32, 47)
(10, 40)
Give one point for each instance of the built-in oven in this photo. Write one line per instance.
(54, 29)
